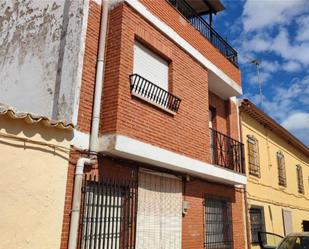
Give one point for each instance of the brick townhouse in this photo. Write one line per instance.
(153, 157)
(169, 169)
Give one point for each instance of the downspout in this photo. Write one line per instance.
(99, 79)
(246, 213)
(79, 171)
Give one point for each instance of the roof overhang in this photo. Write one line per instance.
(203, 7)
(30, 118)
(253, 111)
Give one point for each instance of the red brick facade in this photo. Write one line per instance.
(186, 133)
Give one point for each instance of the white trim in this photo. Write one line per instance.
(80, 140)
(152, 103)
(81, 62)
(142, 10)
(122, 146)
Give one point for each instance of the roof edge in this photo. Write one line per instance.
(252, 110)
(30, 118)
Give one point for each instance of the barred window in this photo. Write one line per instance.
(257, 223)
(253, 155)
(281, 169)
(218, 224)
(300, 181)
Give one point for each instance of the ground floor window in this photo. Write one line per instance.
(257, 223)
(305, 225)
(218, 223)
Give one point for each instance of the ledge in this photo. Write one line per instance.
(129, 148)
(153, 103)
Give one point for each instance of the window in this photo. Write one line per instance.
(253, 155)
(218, 223)
(150, 66)
(257, 223)
(150, 78)
(300, 181)
(305, 225)
(281, 169)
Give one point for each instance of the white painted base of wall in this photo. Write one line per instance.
(129, 148)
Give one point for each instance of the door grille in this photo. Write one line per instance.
(108, 214)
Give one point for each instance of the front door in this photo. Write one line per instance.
(159, 211)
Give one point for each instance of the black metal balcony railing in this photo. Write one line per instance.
(155, 94)
(226, 152)
(205, 29)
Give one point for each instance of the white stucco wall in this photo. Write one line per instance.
(32, 186)
(41, 48)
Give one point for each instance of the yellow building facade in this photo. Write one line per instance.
(34, 158)
(277, 168)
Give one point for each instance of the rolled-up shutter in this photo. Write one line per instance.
(159, 212)
(150, 66)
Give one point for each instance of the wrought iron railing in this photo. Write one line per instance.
(108, 214)
(147, 90)
(226, 152)
(205, 29)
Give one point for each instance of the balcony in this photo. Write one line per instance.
(226, 152)
(205, 29)
(153, 94)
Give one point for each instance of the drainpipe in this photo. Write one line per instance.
(79, 171)
(99, 79)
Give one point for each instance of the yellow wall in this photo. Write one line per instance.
(32, 186)
(265, 191)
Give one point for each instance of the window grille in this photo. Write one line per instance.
(257, 223)
(300, 181)
(218, 224)
(108, 217)
(281, 169)
(253, 156)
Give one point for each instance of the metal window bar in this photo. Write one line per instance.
(218, 224)
(257, 224)
(226, 151)
(281, 169)
(146, 89)
(205, 29)
(109, 214)
(253, 156)
(300, 181)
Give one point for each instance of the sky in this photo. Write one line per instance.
(276, 32)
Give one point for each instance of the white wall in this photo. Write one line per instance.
(38, 39)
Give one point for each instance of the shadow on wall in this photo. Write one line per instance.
(34, 131)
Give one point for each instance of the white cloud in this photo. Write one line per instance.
(283, 47)
(263, 77)
(297, 121)
(291, 66)
(270, 66)
(298, 124)
(266, 14)
(303, 31)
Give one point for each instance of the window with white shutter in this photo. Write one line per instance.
(150, 66)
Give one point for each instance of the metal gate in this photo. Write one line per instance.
(108, 214)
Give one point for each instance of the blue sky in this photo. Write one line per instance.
(277, 33)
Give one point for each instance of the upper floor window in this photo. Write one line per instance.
(281, 169)
(149, 80)
(218, 223)
(150, 66)
(300, 182)
(253, 155)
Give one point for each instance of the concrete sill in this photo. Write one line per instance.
(153, 103)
